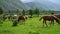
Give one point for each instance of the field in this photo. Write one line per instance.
(30, 26)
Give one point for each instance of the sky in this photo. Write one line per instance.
(27, 0)
(36, 0)
(55, 1)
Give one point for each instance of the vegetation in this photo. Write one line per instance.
(36, 11)
(23, 12)
(1, 10)
(31, 26)
(31, 12)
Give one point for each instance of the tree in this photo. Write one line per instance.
(30, 13)
(17, 11)
(1, 10)
(36, 11)
(51, 11)
(9, 11)
(23, 12)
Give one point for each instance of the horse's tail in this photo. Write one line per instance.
(40, 18)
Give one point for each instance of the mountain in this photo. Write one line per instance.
(34, 5)
(51, 5)
(13, 4)
(44, 5)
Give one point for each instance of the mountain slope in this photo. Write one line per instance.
(34, 5)
(51, 5)
(46, 5)
(13, 4)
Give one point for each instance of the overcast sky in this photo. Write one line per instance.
(55, 1)
(27, 0)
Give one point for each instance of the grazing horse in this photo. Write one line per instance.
(49, 18)
(6, 16)
(21, 17)
(13, 16)
(57, 15)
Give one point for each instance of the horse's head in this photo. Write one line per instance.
(58, 21)
(40, 18)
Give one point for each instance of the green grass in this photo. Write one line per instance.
(31, 26)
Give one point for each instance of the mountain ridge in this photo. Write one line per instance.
(47, 5)
(13, 4)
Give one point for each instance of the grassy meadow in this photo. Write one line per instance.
(30, 26)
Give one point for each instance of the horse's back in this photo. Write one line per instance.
(48, 17)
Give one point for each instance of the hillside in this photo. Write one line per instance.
(46, 5)
(34, 5)
(13, 4)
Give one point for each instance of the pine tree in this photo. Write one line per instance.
(36, 11)
(30, 13)
(1, 10)
(23, 12)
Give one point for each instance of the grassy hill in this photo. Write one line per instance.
(13, 4)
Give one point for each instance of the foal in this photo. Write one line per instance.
(49, 18)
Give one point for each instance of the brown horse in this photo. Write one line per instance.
(21, 17)
(49, 18)
(57, 15)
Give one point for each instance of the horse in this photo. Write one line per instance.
(21, 17)
(5, 17)
(57, 15)
(14, 16)
(49, 18)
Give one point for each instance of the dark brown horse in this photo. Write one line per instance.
(21, 17)
(49, 18)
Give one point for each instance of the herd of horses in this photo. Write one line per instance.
(51, 18)
(15, 18)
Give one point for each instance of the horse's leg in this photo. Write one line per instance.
(46, 23)
(23, 21)
(53, 23)
(43, 22)
(50, 23)
(18, 20)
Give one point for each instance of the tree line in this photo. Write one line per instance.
(30, 12)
